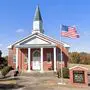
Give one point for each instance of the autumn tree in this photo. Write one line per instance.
(79, 58)
(74, 57)
(84, 58)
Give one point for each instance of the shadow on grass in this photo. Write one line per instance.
(9, 78)
(10, 86)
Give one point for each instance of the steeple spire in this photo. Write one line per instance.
(37, 22)
(37, 16)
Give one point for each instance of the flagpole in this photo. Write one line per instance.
(72, 34)
(61, 66)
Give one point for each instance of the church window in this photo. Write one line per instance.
(48, 57)
(59, 57)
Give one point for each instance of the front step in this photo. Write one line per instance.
(38, 74)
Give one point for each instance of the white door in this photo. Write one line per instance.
(36, 60)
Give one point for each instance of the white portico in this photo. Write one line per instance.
(37, 61)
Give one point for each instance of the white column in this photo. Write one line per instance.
(41, 59)
(16, 58)
(54, 59)
(29, 61)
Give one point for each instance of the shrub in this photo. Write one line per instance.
(5, 70)
(65, 71)
(3, 62)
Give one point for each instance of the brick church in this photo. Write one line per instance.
(37, 52)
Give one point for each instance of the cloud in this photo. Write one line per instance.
(20, 30)
(1, 45)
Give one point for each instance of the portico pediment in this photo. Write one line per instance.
(36, 40)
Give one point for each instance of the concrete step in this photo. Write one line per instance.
(39, 74)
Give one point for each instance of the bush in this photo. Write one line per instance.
(5, 70)
(3, 62)
(65, 71)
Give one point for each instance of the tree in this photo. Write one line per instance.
(74, 57)
(0, 53)
(81, 58)
(3, 61)
(85, 58)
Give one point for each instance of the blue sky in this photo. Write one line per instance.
(16, 17)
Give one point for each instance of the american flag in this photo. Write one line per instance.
(69, 31)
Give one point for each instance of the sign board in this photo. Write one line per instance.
(78, 77)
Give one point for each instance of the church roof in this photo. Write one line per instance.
(37, 16)
(42, 37)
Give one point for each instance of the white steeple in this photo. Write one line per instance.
(37, 22)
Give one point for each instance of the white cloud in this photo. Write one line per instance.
(20, 30)
(1, 45)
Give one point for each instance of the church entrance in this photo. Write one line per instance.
(36, 60)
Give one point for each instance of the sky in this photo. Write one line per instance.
(16, 18)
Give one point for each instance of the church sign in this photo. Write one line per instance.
(78, 75)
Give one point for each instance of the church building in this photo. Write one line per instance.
(37, 52)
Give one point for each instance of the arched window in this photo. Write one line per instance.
(36, 55)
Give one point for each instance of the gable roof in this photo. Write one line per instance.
(39, 35)
(78, 67)
(71, 66)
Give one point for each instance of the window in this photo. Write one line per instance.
(36, 55)
(26, 58)
(59, 57)
(14, 58)
(48, 57)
